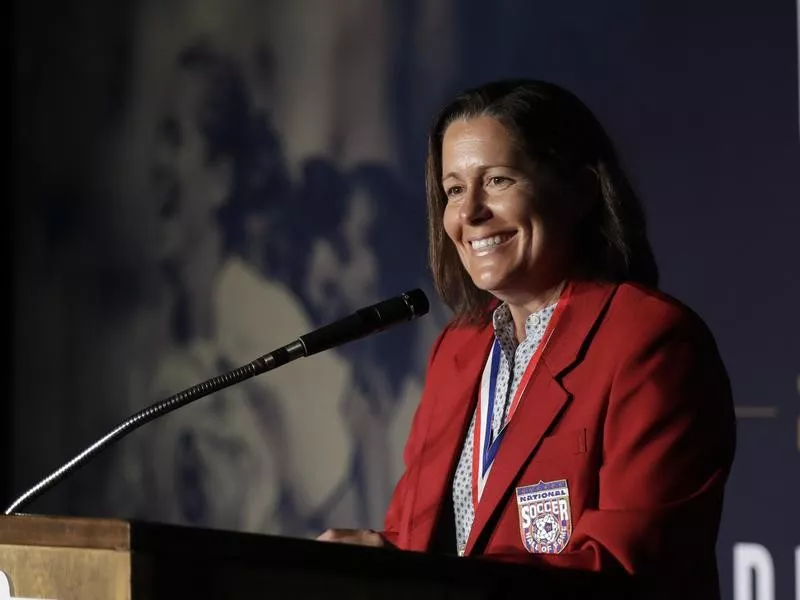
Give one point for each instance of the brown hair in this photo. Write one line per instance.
(555, 129)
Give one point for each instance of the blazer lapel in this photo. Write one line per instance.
(543, 401)
(454, 405)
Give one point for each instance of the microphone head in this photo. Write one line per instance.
(366, 321)
(417, 302)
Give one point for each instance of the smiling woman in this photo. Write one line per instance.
(540, 136)
(568, 407)
(508, 245)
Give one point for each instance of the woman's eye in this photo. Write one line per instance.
(499, 180)
(454, 190)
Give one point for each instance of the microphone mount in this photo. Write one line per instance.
(363, 322)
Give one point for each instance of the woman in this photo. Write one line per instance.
(573, 416)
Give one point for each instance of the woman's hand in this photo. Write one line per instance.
(358, 537)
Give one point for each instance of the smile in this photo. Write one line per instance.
(489, 242)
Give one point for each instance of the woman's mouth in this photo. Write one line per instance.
(485, 244)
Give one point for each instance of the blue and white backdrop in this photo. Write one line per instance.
(199, 182)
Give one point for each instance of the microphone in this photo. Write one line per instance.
(361, 323)
(364, 322)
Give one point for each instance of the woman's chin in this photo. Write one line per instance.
(488, 284)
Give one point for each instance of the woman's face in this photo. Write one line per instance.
(511, 242)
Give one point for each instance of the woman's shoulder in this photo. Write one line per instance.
(646, 304)
(643, 313)
(458, 335)
(458, 330)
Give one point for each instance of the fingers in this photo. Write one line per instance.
(359, 537)
(333, 535)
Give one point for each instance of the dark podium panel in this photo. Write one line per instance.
(96, 559)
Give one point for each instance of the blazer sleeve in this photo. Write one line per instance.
(413, 446)
(668, 445)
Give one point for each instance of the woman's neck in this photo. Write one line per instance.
(520, 311)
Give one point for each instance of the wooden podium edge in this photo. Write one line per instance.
(37, 530)
(146, 554)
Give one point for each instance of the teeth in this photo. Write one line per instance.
(488, 242)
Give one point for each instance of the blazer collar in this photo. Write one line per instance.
(587, 304)
(588, 300)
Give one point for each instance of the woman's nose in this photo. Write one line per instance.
(474, 208)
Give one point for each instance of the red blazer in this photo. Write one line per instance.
(630, 404)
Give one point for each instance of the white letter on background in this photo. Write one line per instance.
(749, 561)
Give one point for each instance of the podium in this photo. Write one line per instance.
(60, 558)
